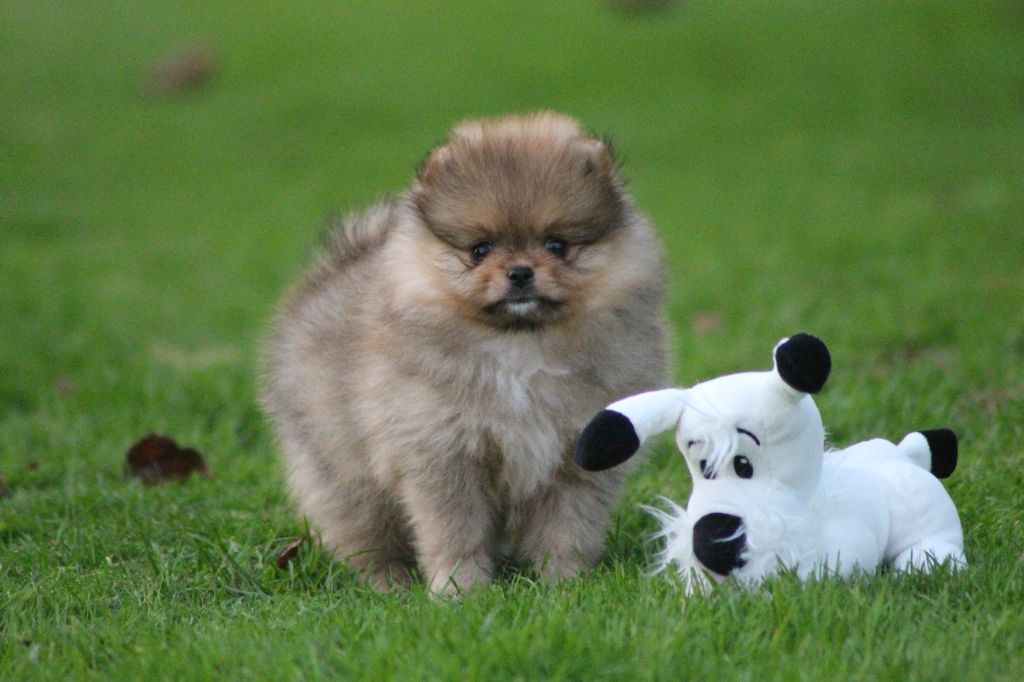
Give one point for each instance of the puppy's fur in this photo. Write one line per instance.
(430, 374)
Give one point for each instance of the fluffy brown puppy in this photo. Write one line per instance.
(430, 374)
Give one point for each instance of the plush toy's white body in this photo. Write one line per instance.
(873, 504)
(767, 496)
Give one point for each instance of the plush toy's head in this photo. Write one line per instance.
(764, 414)
(752, 441)
(759, 424)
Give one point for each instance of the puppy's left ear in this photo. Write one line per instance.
(803, 363)
(595, 156)
(618, 431)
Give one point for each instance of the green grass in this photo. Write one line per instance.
(852, 169)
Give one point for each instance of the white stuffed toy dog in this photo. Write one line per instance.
(767, 496)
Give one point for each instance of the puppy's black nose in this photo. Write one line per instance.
(520, 275)
(718, 542)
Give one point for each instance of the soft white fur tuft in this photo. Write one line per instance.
(677, 533)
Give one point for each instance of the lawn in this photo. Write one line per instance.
(853, 169)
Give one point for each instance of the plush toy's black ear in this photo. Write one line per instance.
(803, 362)
(943, 446)
(608, 440)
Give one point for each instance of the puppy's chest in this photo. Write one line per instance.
(522, 416)
(516, 380)
(522, 456)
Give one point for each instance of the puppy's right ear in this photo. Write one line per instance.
(616, 433)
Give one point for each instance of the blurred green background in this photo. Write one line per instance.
(855, 169)
(800, 158)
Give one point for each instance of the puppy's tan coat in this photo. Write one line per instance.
(430, 374)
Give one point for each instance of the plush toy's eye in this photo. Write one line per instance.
(706, 471)
(743, 467)
(481, 250)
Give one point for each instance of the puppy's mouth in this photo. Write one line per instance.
(522, 308)
(521, 303)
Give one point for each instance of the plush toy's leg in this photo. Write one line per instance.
(925, 557)
(934, 450)
(924, 525)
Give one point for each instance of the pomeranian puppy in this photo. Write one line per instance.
(429, 376)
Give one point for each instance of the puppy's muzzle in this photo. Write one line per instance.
(718, 541)
(520, 276)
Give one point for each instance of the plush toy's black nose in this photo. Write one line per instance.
(718, 542)
(520, 275)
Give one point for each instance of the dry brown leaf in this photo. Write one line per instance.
(704, 323)
(182, 72)
(63, 386)
(158, 459)
(289, 553)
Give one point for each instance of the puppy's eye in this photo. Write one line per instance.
(706, 471)
(743, 467)
(480, 251)
(556, 246)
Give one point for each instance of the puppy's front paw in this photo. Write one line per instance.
(452, 580)
(553, 569)
(390, 576)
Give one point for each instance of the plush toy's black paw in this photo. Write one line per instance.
(804, 362)
(718, 542)
(943, 444)
(608, 440)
